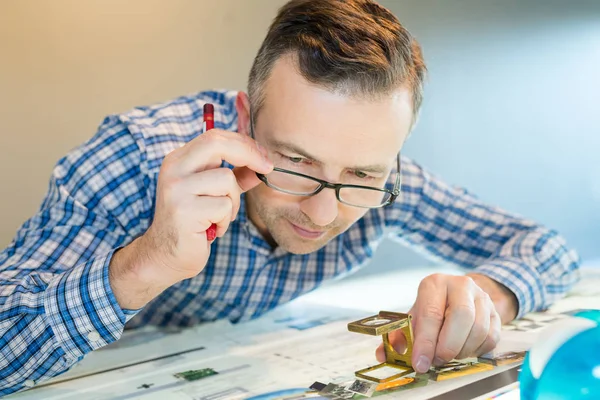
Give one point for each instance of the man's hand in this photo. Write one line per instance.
(452, 318)
(193, 192)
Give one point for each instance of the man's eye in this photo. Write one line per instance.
(296, 160)
(360, 174)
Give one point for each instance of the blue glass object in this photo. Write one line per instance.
(572, 370)
(593, 315)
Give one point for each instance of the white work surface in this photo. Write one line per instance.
(286, 350)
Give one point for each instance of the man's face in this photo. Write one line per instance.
(329, 136)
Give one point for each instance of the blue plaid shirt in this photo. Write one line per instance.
(56, 303)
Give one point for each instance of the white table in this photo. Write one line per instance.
(289, 348)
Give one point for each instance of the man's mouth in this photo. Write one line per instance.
(307, 233)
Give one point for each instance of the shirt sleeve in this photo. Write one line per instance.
(56, 302)
(453, 225)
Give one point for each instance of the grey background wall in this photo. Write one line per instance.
(512, 106)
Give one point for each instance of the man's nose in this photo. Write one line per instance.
(322, 208)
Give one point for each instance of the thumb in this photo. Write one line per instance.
(246, 178)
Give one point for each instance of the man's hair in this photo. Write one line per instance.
(354, 47)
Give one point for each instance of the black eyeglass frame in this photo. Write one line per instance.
(394, 193)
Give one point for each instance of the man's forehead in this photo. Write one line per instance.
(376, 163)
(332, 126)
(367, 146)
(286, 87)
(333, 137)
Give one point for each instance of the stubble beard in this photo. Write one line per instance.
(278, 222)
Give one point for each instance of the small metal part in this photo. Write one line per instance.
(456, 369)
(381, 325)
(509, 357)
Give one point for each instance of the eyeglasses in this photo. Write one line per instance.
(298, 184)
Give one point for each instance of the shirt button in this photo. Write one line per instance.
(29, 383)
(93, 336)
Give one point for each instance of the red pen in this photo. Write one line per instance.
(209, 123)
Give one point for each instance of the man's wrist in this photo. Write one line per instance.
(133, 277)
(504, 299)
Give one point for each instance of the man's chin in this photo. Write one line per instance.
(300, 247)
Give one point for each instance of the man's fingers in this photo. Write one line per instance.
(493, 336)
(213, 182)
(246, 178)
(430, 308)
(209, 210)
(480, 328)
(397, 339)
(459, 319)
(210, 149)
(398, 342)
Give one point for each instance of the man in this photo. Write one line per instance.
(318, 182)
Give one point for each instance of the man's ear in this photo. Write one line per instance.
(242, 105)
